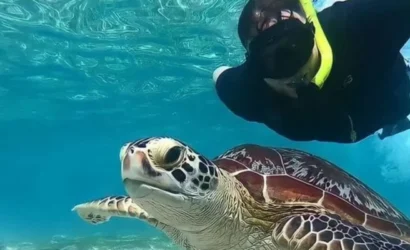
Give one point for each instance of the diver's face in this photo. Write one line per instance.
(288, 86)
(265, 21)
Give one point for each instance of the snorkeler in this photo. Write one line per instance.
(366, 88)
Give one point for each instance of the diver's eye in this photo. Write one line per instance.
(173, 155)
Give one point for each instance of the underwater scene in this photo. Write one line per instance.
(81, 78)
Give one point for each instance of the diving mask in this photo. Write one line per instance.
(281, 50)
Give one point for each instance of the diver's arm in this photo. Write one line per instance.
(306, 123)
(310, 118)
(240, 98)
(317, 124)
(302, 126)
(379, 23)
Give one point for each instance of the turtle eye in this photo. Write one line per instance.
(173, 155)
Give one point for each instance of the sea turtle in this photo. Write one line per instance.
(250, 197)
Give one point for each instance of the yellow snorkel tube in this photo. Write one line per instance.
(321, 42)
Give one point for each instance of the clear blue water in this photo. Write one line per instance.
(79, 78)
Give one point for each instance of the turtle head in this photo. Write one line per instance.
(170, 180)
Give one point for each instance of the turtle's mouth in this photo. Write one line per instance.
(144, 188)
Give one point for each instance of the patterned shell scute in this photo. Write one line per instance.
(293, 175)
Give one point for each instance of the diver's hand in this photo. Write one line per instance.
(282, 88)
(309, 93)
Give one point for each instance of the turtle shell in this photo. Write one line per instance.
(293, 175)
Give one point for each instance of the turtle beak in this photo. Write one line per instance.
(123, 151)
(132, 163)
(140, 178)
(135, 166)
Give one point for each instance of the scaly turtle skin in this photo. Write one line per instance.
(250, 197)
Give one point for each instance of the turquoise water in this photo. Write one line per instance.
(79, 78)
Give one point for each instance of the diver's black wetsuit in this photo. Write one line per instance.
(367, 89)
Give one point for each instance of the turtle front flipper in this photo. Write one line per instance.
(101, 210)
(303, 232)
